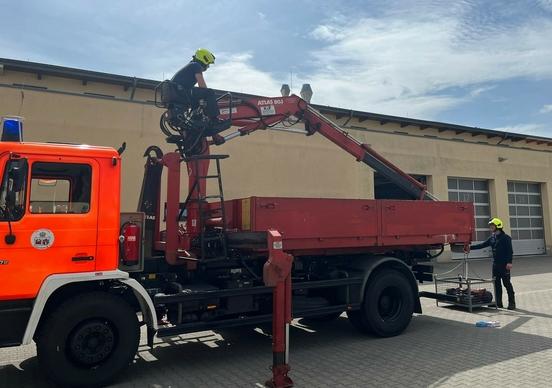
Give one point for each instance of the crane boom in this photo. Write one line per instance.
(262, 113)
(248, 115)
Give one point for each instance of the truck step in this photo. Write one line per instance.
(225, 293)
(214, 238)
(212, 325)
(201, 295)
(252, 320)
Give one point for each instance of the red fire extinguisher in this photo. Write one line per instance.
(130, 243)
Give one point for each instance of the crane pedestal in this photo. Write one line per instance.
(277, 274)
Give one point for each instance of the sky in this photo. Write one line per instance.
(478, 63)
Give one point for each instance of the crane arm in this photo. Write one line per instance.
(263, 113)
(248, 115)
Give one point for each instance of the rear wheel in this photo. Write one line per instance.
(388, 305)
(88, 340)
(355, 317)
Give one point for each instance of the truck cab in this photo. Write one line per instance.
(59, 255)
(58, 215)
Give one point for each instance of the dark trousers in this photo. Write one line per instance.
(502, 276)
(211, 110)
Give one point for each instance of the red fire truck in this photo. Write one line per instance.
(80, 278)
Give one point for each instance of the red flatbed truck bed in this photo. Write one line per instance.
(331, 226)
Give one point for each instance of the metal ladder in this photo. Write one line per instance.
(206, 213)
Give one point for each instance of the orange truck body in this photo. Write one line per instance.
(83, 242)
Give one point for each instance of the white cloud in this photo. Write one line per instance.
(527, 129)
(236, 73)
(479, 91)
(545, 4)
(384, 64)
(546, 108)
(327, 33)
(406, 65)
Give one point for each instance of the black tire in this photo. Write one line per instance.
(88, 340)
(388, 305)
(355, 317)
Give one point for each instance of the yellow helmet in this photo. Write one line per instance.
(496, 222)
(204, 56)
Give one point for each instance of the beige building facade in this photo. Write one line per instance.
(506, 175)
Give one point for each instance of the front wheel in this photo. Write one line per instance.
(88, 340)
(388, 305)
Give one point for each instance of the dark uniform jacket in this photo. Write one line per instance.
(501, 245)
(186, 77)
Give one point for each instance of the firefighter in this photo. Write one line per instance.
(192, 74)
(501, 245)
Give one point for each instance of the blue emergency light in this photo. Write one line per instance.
(12, 129)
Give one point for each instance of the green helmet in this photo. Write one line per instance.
(496, 222)
(204, 56)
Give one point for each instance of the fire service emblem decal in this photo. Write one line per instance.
(42, 239)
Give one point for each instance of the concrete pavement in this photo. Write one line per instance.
(441, 348)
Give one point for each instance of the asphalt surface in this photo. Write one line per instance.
(441, 348)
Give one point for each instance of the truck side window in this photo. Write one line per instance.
(13, 190)
(60, 188)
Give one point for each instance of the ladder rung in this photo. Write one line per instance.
(204, 198)
(208, 176)
(212, 197)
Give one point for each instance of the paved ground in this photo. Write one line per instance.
(441, 348)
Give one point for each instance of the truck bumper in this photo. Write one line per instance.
(14, 316)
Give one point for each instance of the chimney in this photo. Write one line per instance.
(285, 90)
(306, 92)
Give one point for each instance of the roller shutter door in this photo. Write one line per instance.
(476, 191)
(526, 222)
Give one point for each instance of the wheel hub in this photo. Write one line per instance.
(91, 342)
(389, 304)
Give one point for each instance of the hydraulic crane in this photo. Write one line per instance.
(249, 116)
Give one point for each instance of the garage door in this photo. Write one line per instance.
(526, 222)
(476, 191)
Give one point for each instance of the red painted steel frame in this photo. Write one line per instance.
(172, 162)
(277, 274)
(197, 187)
(177, 241)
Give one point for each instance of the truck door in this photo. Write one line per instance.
(54, 222)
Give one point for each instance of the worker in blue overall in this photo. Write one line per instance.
(191, 75)
(501, 244)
